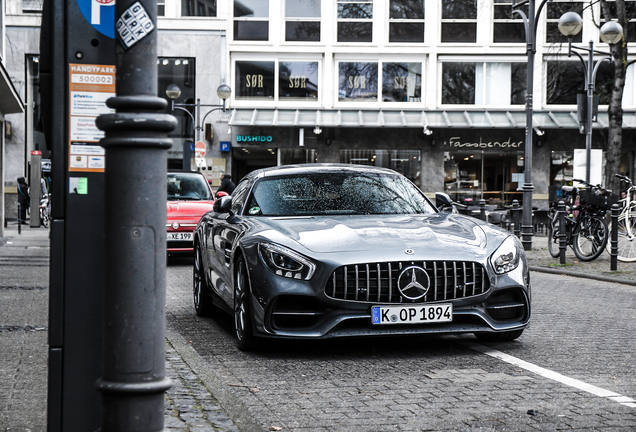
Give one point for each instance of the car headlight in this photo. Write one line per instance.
(506, 257)
(285, 262)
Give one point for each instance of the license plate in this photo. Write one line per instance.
(179, 236)
(412, 314)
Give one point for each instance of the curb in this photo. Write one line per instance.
(582, 275)
(237, 411)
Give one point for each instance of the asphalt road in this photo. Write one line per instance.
(573, 369)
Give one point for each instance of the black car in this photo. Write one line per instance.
(328, 250)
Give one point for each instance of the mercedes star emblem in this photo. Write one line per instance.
(413, 283)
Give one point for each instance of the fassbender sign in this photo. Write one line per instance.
(89, 88)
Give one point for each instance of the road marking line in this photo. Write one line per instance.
(589, 388)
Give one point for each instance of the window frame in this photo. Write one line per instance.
(484, 75)
(513, 19)
(290, 19)
(276, 100)
(406, 21)
(251, 19)
(443, 21)
(549, 22)
(339, 21)
(379, 101)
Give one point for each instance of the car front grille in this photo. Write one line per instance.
(378, 282)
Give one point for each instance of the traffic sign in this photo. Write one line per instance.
(199, 149)
(100, 14)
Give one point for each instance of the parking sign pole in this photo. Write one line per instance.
(133, 378)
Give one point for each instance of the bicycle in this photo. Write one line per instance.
(586, 230)
(626, 225)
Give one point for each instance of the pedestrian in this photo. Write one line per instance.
(23, 199)
(226, 184)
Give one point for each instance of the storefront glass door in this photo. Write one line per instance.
(473, 175)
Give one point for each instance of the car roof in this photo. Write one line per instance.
(313, 168)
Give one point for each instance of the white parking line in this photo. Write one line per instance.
(597, 391)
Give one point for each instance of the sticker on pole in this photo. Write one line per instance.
(100, 14)
(134, 25)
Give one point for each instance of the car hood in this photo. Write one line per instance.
(188, 208)
(434, 235)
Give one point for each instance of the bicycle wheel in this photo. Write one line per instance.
(45, 217)
(626, 238)
(553, 238)
(590, 238)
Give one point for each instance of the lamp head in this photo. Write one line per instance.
(611, 32)
(570, 24)
(224, 91)
(173, 91)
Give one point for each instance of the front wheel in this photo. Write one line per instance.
(626, 238)
(590, 238)
(242, 308)
(202, 301)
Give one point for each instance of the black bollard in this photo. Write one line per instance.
(133, 378)
(562, 234)
(515, 218)
(482, 209)
(19, 219)
(614, 245)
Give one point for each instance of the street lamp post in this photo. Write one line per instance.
(530, 26)
(173, 92)
(611, 32)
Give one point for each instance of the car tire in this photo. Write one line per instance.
(203, 305)
(242, 308)
(499, 336)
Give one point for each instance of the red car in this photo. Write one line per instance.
(189, 198)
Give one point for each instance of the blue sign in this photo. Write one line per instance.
(100, 14)
(225, 146)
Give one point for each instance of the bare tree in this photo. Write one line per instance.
(615, 10)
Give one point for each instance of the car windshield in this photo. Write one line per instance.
(184, 186)
(337, 193)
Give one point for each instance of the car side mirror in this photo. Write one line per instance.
(443, 200)
(223, 205)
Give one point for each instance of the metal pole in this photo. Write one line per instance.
(527, 187)
(482, 209)
(515, 218)
(614, 245)
(590, 107)
(133, 378)
(198, 119)
(563, 244)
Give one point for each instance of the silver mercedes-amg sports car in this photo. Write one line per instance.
(327, 250)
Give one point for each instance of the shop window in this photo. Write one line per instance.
(302, 20)
(561, 168)
(630, 12)
(298, 81)
(358, 82)
(406, 162)
(564, 79)
(554, 11)
(255, 80)
(487, 83)
(470, 176)
(406, 21)
(459, 21)
(251, 20)
(401, 82)
(355, 21)
(507, 28)
(192, 8)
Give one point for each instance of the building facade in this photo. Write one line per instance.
(433, 89)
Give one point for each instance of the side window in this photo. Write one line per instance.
(406, 21)
(238, 196)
